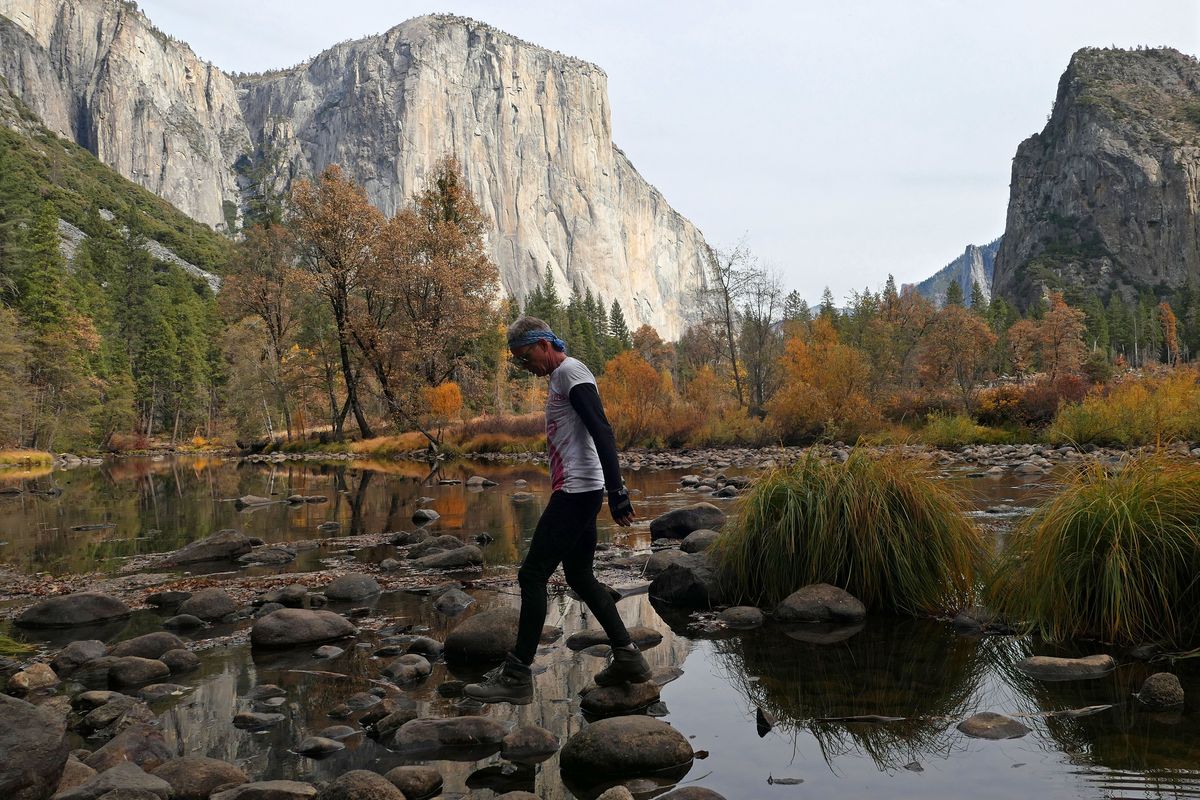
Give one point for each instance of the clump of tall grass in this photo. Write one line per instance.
(11, 647)
(1116, 554)
(957, 430)
(880, 528)
(19, 457)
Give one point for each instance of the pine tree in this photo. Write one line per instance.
(1096, 322)
(954, 295)
(618, 331)
(827, 310)
(979, 303)
(795, 309)
(1120, 326)
(890, 296)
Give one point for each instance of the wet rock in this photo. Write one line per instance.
(550, 634)
(624, 698)
(76, 654)
(318, 747)
(267, 608)
(422, 735)
(34, 745)
(32, 678)
(698, 541)
(360, 784)
(168, 599)
(141, 744)
(741, 617)
(184, 622)
(426, 646)
(327, 651)
(224, 545)
(415, 782)
(150, 645)
(1161, 690)
(630, 745)
(459, 558)
(196, 777)
(660, 560)
(264, 691)
(69, 610)
(641, 635)
(678, 523)
(94, 698)
(690, 582)
(529, 745)
(988, 725)
(390, 565)
(161, 691)
(292, 596)
(424, 516)
(251, 500)
(180, 661)
(691, 793)
(1049, 668)
(480, 481)
(255, 721)
(268, 790)
(330, 526)
(352, 588)
(293, 626)
(338, 732)
(75, 773)
(823, 633)
(272, 554)
(117, 715)
(517, 795)
(408, 538)
(122, 777)
(820, 602)
(433, 545)
(209, 604)
(618, 792)
(453, 602)
(387, 727)
(485, 637)
(408, 668)
(522, 497)
(134, 671)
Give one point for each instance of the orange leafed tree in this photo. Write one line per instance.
(1022, 347)
(958, 349)
(1170, 325)
(1060, 339)
(635, 398)
(443, 402)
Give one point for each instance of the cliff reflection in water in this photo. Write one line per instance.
(914, 669)
(201, 722)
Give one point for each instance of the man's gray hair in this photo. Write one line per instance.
(524, 325)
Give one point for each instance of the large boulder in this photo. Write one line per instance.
(820, 602)
(68, 610)
(352, 587)
(690, 581)
(224, 545)
(458, 558)
(294, 626)
(209, 604)
(32, 678)
(141, 744)
(660, 560)
(424, 735)
(34, 746)
(624, 698)
(359, 784)
(150, 645)
(195, 777)
(122, 777)
(529, 745)
(620, 746)
(134, 671)
(268, 790)
(678, 523)
(1048, 668)
(485, 637)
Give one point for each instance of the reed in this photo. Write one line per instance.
(879, 527)
(1115, 555)
(10, 647)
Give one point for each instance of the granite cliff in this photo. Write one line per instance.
(1107, 197)
(974, 266)
(532, 128)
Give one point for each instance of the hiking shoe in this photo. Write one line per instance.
(511, 682)
(625, 665)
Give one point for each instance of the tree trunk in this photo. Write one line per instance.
(339, 316)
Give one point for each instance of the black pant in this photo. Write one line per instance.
(566, 534)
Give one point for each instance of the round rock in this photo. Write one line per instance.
(529, 745)
(318, 747)
(741, 617)
(631, 745)
(35, 749)
(293, 626)
(680, 522)
(76, 654)
(183, 622)
(360, 784)
(196, 777)
(820, 602)
(624, 698)
(352, 588)
(69, 610)
(134, 671)
(150, 645)
(698, 541)
(415, 782)
(988, 725)
(434, 734)
(1161, 690)
(180, 661)
(485, 637)
(209, 604)
(269, 790)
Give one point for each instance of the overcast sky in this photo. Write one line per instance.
(844, 140)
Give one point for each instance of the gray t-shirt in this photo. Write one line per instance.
(574, 464)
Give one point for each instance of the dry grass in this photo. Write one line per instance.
(1134, 412)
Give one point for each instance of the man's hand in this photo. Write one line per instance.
(620, 507)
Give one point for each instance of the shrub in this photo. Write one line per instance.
(946, 430)
(503, 443)
(1114, 555)
(1031, 404)
(1135, 411)
(511, 425)
(881, 529)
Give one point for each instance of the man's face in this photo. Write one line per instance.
(534, 357)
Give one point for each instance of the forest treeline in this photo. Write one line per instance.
(336, 321)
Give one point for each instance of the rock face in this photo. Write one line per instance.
(1107, 196)
(531, 127)
(35, 750)
(974, 266)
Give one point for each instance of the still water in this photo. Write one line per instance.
(919, 671)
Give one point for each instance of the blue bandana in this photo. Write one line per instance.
(530, 337)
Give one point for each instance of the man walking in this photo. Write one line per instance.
(583, 464)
